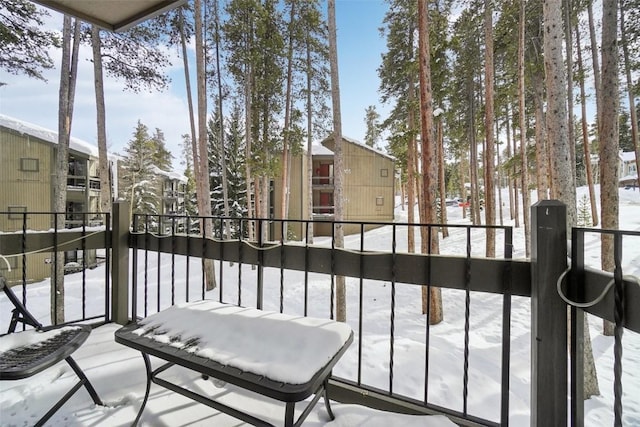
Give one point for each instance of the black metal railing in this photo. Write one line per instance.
(255, 258)
(258, 258)
(611, 296)
(30, 246)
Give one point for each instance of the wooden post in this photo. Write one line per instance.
(549, 367)
(120, 263)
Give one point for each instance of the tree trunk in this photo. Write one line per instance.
(68, 74)
(542, 158)
(192, 121)
(309, 72)
(608, 135)
(597, 81)
(629, 81)
(411, 167)
(103, 160)
(585, 134)
(489, 154)
(441, 178)
(204, 195)
(284, 202)
(221, 150)
(568, 8)
(511, 181)
(429, 161)
(338, 168)
(524, 178)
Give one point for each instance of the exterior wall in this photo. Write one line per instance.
(369, 183)
(29, 189)
(32, 191)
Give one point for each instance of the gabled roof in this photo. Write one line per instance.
(112, 15)
(359, 144)
(25, 128)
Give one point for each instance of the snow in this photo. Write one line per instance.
(48, 135)
(117, 372)
(30, 338)
(238, 340)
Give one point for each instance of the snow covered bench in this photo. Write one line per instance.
(287, 358)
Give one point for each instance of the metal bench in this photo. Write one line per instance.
(155, 338)
(31, 351)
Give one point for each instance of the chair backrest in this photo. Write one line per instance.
(20, 312)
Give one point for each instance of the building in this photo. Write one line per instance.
(369, 178)
(627, 169)
(27, 163)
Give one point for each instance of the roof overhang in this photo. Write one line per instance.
(112, 15)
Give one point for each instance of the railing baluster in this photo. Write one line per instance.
(360, 304)
(23, 249)
(427, 331)
(222, 240)
(146, 269)
(240, 256)
(282, 226)
(173, 260)
(393, 307)
(187, 257)
(306, 268)
(618, 329)
(158, 262)
(107, 269)
(333, 268)
(467, 304)
(85, 262)
(203, 225)
(506, 329)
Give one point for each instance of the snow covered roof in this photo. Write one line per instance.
(355, 142)
(48, 135)
(318, 149)
(171, 175)
(628, 156)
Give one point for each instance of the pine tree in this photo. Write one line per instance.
(24, 45)
(584, 212)
(138, 182)
(372, 135)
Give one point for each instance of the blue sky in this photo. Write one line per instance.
(359, 54)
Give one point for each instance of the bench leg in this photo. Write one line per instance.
(84, 381)
(147, 364)
(325, 391)
(289, 412)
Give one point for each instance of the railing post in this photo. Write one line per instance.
(549, 368)
(120, 263)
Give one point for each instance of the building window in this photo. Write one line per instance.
(379, 201)
(29, 165)
(384, 173)
(16, 212)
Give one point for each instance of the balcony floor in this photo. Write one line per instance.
(117, 373)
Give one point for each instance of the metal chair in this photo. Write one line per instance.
(46, 347)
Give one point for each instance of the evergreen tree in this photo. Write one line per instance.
(138, 182)
(372, 135)
(24, 45)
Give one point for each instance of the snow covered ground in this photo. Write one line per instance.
(118, 372)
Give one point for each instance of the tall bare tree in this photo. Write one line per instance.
(489, 152)
(608, 132)
(524, 168)
(429, 160)
(338, 167)
(595, 217)
(103, 161)
(66, 96)
(627, 72)
(203, 184)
